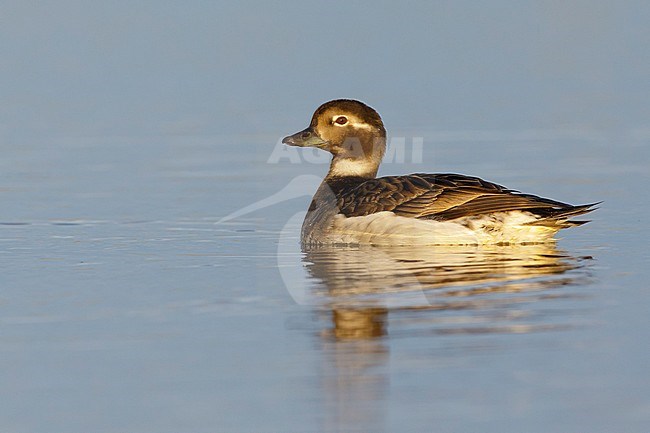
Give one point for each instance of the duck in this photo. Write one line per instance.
(354, 206)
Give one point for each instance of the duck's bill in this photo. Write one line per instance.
(305, 138)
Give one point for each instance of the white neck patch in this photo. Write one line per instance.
(353, 167)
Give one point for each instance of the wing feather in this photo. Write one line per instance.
(446, 197)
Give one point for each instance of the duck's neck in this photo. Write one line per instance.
(342, 167)
(358, 157)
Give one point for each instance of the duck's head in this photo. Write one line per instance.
(351, 131)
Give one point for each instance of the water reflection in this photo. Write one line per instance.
(448, 289)
(372, 295)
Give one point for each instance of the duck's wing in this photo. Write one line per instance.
(446, 197)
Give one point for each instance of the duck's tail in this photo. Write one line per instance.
(559, 218)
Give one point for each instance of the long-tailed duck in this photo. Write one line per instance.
(352, 206)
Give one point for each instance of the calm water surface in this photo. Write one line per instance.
(127, 305)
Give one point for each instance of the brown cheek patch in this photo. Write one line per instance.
(354, 147)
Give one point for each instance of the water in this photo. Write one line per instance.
(125, 307)
(129, 304)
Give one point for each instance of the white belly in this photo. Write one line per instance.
(386, 228)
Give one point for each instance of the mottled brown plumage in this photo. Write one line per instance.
(444, 197)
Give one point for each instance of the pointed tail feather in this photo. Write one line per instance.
(560, 219)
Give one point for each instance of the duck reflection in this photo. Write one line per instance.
(351, 323)
(373, 295)
(362, 286)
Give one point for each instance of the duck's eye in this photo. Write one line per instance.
(341, 120)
